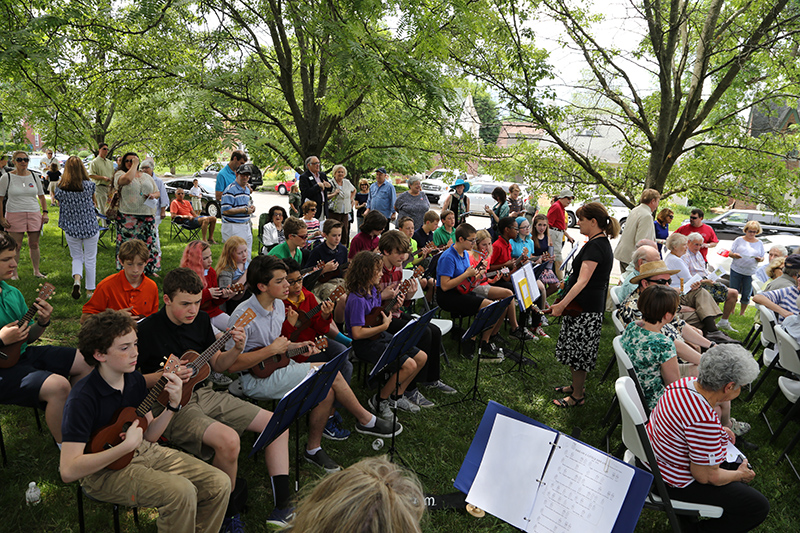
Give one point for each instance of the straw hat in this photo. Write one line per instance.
(653, 268)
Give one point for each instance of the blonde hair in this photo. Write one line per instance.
(372, 496)
(337, 167)
(776, 263)
(754, 225)
(226, 260)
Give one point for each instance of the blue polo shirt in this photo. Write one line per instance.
(451, 264)
(235, 196)
(382, 198)
(225, 177)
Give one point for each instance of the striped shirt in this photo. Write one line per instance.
(786, 298)
(684, 429)
(235, 196)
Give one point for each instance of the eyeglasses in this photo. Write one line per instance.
(314, 163)
(694, 218)
(304, 237)
(660, 281)
(670, 216)
(179, 194)
(364, 186)
(22, 160)
(294, 281)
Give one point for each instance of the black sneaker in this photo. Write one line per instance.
(382, 428)
(490, 353)
(322, 460)
(280, 517)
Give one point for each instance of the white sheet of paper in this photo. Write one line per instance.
(505, 485)
(583, 490)
(687, 285)
(732, 453)
(714, 275)
(531, 276)
(152, 203)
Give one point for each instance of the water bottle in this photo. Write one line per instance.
(33, 495)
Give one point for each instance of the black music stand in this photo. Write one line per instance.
(484, 320)
(402, 342)
(297, 402)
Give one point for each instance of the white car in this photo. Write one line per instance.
(437, 185)
(480, 195)
(613, 204)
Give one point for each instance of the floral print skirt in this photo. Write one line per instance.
(142, 227)
(579, 340)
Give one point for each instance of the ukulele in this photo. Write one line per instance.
(374, 317)
(265, 368)
(198, 363)
(9, 354)
(466, 286)
(111, 435)
(338, 273)
(304, 317)
(310, 270)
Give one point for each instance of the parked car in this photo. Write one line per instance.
(208, 200)
(256, 179)
(437, 184)
(729, 225)
(480, 195)
(284, 187)
(613, 204)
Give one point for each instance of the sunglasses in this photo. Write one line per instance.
(694, 218)
(22, 160)
(304, 237)
(128, 161)
(660, 281)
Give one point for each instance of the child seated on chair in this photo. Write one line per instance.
(189, 494)
(394, 247)
(268, 280)
(128, 290)
(369, 342)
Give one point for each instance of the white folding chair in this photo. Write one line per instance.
(789, 360)
(634, 435)
(620, 327)
(769, 342)
(614, 292)
(625, 368)
(443, 324)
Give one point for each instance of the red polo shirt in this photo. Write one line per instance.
(557, 216)
(501, 252)
(319, 326)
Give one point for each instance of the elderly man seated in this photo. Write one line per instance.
(677, 330)
(690, 443)
(645, 252)
(696, 264)
(181, 211)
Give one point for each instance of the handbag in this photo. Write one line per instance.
(112, 208)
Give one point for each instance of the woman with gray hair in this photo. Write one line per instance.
(413, 203)
(690, 443)
(340, 201)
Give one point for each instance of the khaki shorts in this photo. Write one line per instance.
(206, 406)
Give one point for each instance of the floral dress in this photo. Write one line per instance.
(648, 351)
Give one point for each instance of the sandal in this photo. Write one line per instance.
(564, 402)
(566, 389)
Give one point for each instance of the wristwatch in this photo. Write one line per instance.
(173, 409)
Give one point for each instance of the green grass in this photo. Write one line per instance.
(433, 443)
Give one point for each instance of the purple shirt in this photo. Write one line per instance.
(358, 307)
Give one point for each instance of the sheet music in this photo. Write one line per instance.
(583, 490)
(515, 457)
(687, 286)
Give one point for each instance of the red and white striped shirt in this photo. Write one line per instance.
(684, 429)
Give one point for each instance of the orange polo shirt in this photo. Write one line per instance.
(116, 293)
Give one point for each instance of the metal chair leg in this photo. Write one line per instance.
(761, 379)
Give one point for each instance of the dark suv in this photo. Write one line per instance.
(730, 225)
(211, 172)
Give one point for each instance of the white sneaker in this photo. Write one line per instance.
(403, 404)
(725, 324)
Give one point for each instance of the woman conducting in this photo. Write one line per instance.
(585, 294)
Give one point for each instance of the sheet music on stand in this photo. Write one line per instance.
(525, 287)
(552, 484)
